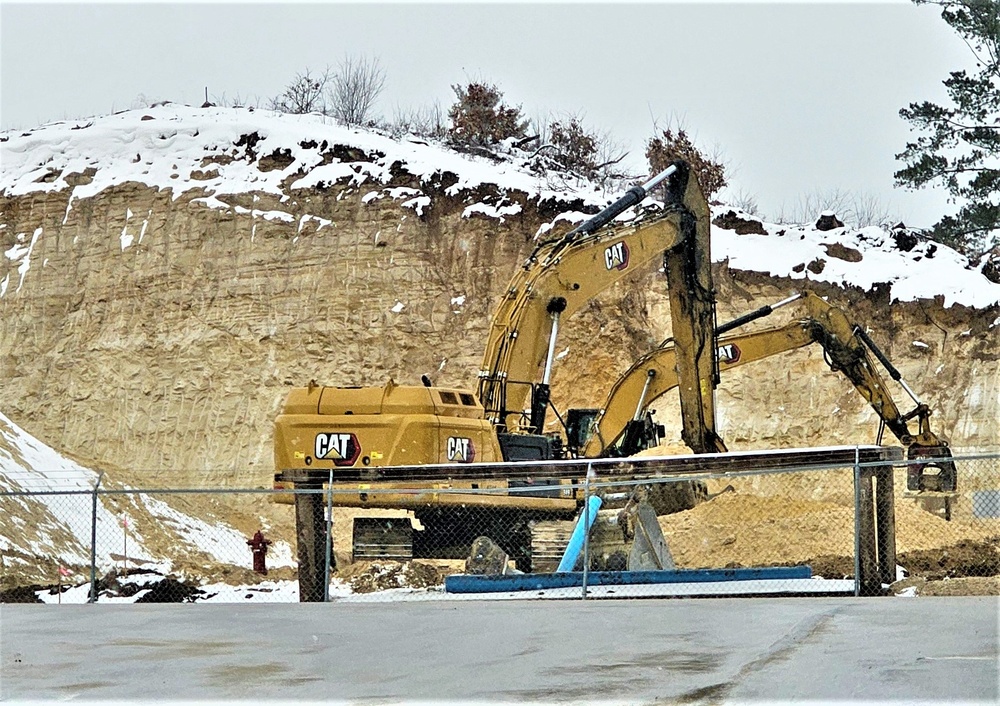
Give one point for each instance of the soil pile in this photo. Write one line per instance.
(735, 529)
(368, 577)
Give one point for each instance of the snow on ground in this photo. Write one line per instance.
(228, 151)
(872, 257)
(49, 505)
(64, 488)
(263, 592)
(340, 591)
(172, 147)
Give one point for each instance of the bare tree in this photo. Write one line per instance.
(354, 88)
(305, 94)
(743, 200)
(610, 153)
(860, 209)
(424, 121)
(539, 125)
(868, 210)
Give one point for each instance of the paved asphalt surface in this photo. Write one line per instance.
(599, 651)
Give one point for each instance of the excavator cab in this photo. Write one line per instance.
(579, 428)
(637, 435)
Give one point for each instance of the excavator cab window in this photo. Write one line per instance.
(579, 428)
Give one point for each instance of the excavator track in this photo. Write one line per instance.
(548, 543)
(607, 546)
(388, 538)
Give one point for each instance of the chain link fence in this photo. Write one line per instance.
(860, 530)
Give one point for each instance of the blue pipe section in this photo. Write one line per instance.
(578, 537)
(463, 583)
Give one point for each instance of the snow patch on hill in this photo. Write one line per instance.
(862, 258)
(220, 153)
(48, 510)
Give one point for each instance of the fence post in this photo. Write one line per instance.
(329, 537)
(586, 529)
(885, 523)
(93, 541)
(857, 521)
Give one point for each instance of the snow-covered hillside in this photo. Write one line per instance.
(46, 521)
(224, 153)
(169, 273)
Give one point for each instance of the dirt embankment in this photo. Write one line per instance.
(173, 355)
(167, 361)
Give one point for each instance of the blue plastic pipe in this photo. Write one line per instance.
(576, 539)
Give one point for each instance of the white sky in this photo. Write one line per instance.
(798, 97)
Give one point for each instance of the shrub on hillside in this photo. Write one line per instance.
(305, 94)
(672, 145)
(574, 148)
(479, 116)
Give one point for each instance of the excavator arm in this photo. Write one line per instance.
(847, 349)
(563, 274)
(655, 374)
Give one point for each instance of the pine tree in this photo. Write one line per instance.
(960, 144)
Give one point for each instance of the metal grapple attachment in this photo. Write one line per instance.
(938, 474)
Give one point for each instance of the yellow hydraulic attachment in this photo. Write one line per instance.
(563, 274)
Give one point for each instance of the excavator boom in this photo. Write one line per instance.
(655, 374)
(846, 348)
(563, 274)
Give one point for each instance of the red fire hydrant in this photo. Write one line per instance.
(258, 545)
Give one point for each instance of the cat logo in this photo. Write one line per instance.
(343, 449)
(616, 256)
(460, 449)
(728, 354)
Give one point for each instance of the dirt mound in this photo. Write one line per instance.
(967, 558)
(367, 577)
(170, 590)
(736, 529)
(23, 594)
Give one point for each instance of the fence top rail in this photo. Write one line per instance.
(608, 468)
(22, 492)
(607, 471)
(936, 459)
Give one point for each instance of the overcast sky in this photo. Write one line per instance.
(797, 97)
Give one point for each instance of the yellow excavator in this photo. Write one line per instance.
(324, 430)
(624, 426)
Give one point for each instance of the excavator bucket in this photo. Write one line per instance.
(649, 550)
(938, 474)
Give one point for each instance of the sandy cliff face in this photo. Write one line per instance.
(176, 352)
(160, 334)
